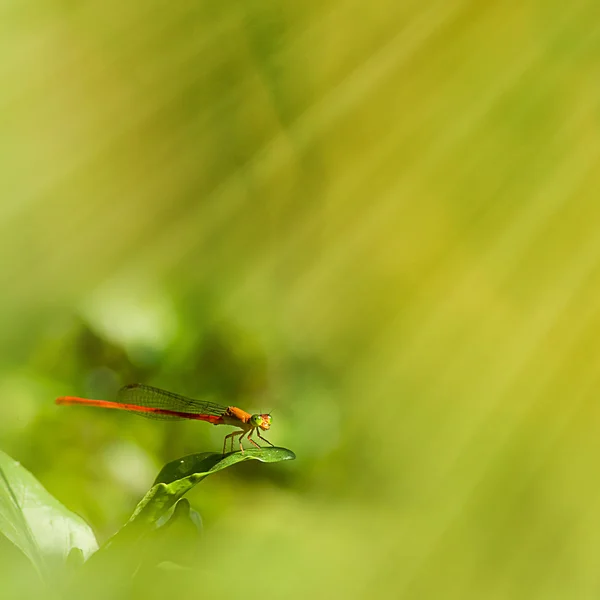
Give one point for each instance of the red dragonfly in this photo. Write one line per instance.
(155, 403)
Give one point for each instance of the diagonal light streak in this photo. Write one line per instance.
(226, 199)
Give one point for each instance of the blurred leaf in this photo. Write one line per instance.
(168, 565)
(34, 521)
(182, 512)
(176, 539)
(75, 558)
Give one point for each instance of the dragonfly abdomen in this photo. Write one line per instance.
(145, 411)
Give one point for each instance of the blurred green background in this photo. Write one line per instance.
(378, 220)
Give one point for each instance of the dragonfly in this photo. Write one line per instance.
(154, 403)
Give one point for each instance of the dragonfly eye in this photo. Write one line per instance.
(256, 420)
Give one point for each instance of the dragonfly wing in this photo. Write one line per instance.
(176, 407)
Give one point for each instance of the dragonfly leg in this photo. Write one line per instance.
(225, 442)
(250, 437)
(264, 439)
(231, 436)
(241, 434)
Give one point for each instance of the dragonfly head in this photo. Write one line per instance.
(262, 421)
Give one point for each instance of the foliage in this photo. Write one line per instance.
(55, 540)
(379, 219)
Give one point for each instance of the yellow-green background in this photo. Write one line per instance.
(381, 220)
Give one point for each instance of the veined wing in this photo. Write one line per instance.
(171, 406)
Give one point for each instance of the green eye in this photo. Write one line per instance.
(256, 420)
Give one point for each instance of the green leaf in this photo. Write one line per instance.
(38, 524)
(180, 476)
(122, 555)
(176, 539)
(180, 512)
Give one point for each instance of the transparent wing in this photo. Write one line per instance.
(137, 394)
